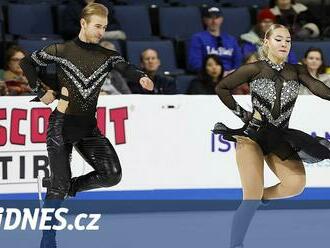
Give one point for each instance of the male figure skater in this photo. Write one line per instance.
(82, 65)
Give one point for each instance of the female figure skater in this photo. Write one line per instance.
(274, 87)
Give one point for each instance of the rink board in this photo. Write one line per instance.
(165, 145)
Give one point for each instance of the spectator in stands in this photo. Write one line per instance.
(150, 64)
(209, 76)
(214, 41)
(297, 17)
(115, 83)
(252, 41)
(13, 76)
(314, 61)
(3, 89)
(72, 20)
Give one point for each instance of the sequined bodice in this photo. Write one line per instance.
(83, 82)
(265, 97)
(274, 89)
(81, 68)
(274, 97)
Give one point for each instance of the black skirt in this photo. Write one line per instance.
(286, 143)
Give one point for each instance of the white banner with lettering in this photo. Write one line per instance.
(164, 142)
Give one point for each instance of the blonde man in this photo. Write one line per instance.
(82, 66)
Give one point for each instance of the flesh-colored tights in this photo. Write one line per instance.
(250, 161)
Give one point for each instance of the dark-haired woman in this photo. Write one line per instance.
(314, 62)
(210, 75)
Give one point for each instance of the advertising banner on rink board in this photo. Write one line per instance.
(163, 142)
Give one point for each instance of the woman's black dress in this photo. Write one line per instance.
(274, 90)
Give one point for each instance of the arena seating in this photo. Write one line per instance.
(25, 19)
(165, 25)
(180, 22)
(165, 51)
(146, 2)
(135, 21)
(301, 46)
(31, 45)
(183, 83)
(234, 25)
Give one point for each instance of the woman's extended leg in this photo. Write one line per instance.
(251, 169)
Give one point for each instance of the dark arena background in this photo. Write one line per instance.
(180, 186)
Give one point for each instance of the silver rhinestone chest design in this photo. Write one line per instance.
(274, 66)
(265, 89)
(289, 92)
(85, 85)
(85, 92)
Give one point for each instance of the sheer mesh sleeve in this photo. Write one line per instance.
(129, 71)
(30, 64)
(317, 87)
(242, 75)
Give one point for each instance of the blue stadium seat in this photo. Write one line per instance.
(53, 2)
(60, 10)
(300, 48)
(179, 22)
(183, 83)
(146, 2)
(165, 51)
(24, 19)
(2, 22)
(236, 21)
(186, 50)
(30, 45)
(247, 3)
(134, 21)
(193, 2)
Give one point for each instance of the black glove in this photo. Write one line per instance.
(244, 115)
(219, 128)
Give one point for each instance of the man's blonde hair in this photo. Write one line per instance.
(94, 9)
